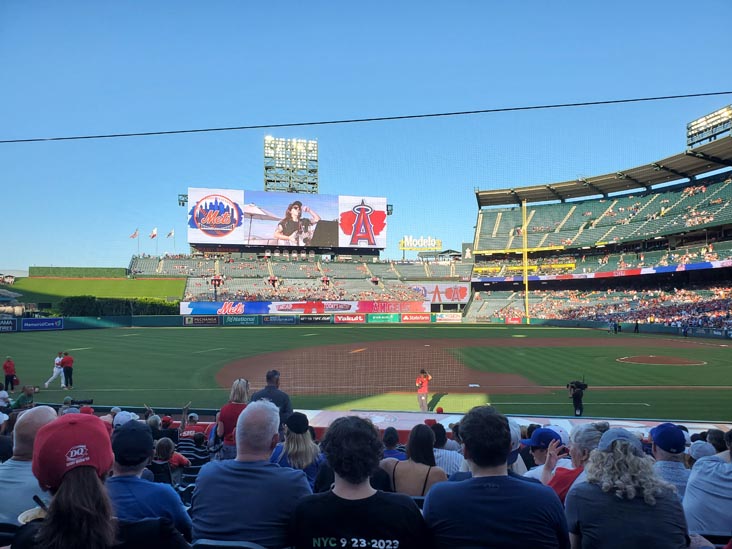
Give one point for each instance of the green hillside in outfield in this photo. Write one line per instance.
(53, 290)
(171, 366)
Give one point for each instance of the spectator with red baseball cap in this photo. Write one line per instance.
(72, 456)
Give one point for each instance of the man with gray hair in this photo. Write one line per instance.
(18, 485)
(248, 498)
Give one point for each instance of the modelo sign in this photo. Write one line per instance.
(421, 243)
(423, 318)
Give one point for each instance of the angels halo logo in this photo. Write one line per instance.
(215, 215)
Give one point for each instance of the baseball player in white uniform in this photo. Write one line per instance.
(57, 371)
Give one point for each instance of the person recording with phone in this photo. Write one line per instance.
(294, 229)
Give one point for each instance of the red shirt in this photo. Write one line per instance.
(9, 367)
(178, 460)
(423, 383)
(191, 430)
(228, 416)
(67, 361)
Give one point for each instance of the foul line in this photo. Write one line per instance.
(357, 351)
(209, 350)
(564, 403)
(81, 349)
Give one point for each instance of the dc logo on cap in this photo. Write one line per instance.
(77, 454)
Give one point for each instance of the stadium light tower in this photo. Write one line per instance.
(290, 165)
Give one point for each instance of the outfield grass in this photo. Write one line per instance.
(171, 366)
(53, 290)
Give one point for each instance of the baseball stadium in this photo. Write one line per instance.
(619, 281)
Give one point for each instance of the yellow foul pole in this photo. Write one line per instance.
(525, 253)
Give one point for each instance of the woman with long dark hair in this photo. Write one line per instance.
(418, 473)
(294, 229)
(72, 456)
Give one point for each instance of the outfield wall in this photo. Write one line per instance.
(86, 323)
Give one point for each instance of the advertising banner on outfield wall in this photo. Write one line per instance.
(200, 321)
(384, 318)
(241, 320)
(8, 325)
(455, 318)
(300, 307)
(349, 319)
(422, 318)
(280, 319)
(259, 218)
(443, 293)
(316, 319)
(41, 324)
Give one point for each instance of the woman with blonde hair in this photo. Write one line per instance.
(582, 440)
(226, 418)
(621, 498)
(298, 451)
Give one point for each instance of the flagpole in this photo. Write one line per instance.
(138, 244)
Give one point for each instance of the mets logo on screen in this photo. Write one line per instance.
(362, 223)
(215, 215)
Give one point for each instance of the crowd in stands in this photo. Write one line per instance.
(258, 474)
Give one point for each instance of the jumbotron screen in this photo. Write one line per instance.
(258, 218)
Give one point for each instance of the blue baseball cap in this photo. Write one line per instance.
(541, 438)
(617, 433)
(669, 437)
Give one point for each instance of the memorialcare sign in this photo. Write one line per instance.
(42, 324)
(279, 319)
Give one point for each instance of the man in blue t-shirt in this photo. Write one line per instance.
(134, 498)
(248, 498)
(493, 509)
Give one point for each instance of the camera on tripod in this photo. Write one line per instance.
(575, 385)
(87, 402)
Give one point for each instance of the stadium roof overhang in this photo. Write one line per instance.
(687, 165)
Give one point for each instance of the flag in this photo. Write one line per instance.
(154, 233)
(171, 234)
(135, 234)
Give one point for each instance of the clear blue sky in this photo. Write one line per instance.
(73, 67)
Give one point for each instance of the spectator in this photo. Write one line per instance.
(25, 400)
(18, 485)
(248, 498)
(227, 417)
(583, 440)
(493, 509)
(715, 437)
(419, 472)
(525, 451)
(697, 450)
(188, 429)
(159, 429)
(298, 451)
(669, 447)
(708, 498)
(123, 417)
(200, 455)
(273, 393)
(80, 513)
(539, 446)
(353, 449)
(160, 464)
(448, 460)
(135, 499)
(391, 443)
(621, 498)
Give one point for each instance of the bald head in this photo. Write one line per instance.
(257, 430)
(26, 428)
